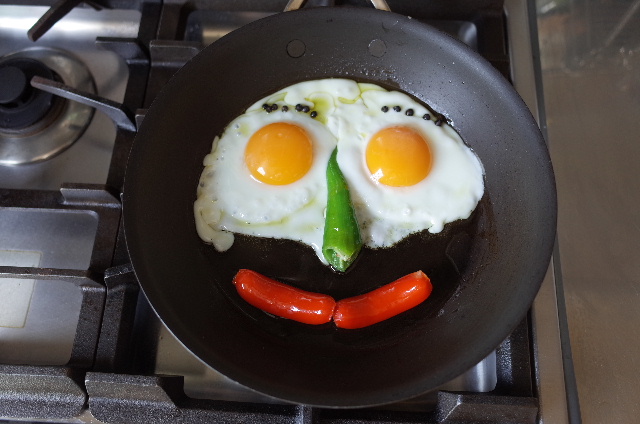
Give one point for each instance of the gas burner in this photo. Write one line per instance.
(34, 125)
(23, 109)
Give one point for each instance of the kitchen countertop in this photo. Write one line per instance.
(590, 57)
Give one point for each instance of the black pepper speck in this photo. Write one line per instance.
(426, 117)
(298, 107)
(314, 114)
(397, 108)
(285, 108)
(305, 109)
(385, 109)
(409, 112)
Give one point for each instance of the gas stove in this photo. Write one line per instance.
(78, 340)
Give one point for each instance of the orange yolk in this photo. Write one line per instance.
(398, 156)
(279, 153)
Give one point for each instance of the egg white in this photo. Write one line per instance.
(231, 201)
(387, 214)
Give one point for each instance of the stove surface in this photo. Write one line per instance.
(88, 159)
(78, 321)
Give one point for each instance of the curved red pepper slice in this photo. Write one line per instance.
(283, 300)
(384, 302)
(361, 311)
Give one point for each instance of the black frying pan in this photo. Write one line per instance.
(486, 270)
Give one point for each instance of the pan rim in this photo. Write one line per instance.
(135, 249)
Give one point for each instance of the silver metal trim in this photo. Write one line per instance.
(547, 348)
(298, 4)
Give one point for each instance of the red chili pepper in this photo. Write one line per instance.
(384, 302)
(283, 300)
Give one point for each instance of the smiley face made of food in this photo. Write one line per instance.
(336, 165)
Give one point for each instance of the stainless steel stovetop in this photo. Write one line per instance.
(72, 323)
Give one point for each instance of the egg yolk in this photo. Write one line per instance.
(279, 153)
(398, 156)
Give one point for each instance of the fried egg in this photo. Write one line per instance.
(405, 172)
(265, 176)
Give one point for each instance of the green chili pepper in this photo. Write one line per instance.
(342, 242)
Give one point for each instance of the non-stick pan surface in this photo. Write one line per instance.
(486, 270)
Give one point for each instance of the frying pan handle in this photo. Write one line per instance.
(297, 4)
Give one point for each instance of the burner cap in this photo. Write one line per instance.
(20, 104)
(62, 122)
